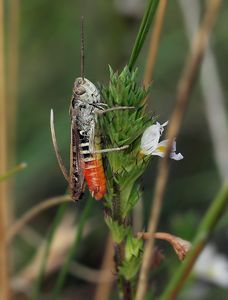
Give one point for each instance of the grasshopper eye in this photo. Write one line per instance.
(80, 91)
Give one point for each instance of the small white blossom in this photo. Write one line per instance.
(150, 144)
(212, 266)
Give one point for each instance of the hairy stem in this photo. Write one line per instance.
(124, 285)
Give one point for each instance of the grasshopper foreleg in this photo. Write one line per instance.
(102, 111)
(111, 149)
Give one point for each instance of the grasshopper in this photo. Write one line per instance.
(85, 153)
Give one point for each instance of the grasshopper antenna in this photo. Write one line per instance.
(82, 48)
(56, 148)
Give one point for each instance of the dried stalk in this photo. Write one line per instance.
(104, 288)
(12, 70)
(211, 89)
(186, 84)
(102, 277)
(154, 42)
(33, 212)
(180, 246)
(4, 259)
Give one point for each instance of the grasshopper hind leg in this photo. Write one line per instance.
(56, 148)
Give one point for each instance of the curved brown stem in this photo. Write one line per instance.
(180, 246)
(32, 213)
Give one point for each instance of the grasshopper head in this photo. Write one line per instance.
(86, 90)
(79, 86)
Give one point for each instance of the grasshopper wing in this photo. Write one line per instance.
(76, 179)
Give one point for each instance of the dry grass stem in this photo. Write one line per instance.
(101, 277)
(104, 288)
(184, 90)
(12, 70)
(180, 246)
(211, 90)
(4, 201)
(154, 42)
(33, 212)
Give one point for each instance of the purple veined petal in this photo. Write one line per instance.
(176, 156)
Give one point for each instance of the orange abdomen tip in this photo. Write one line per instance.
(95, 178)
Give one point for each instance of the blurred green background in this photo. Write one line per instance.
(49, 61)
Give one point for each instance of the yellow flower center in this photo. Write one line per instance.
(161, 149)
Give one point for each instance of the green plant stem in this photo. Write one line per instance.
(78, 236)
(13, 171)
(50, 236)
(143, 30)
(206, 228)
(124, 285)
(4, 160)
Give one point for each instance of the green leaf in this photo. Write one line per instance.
(133, 248)
(12, 172)
(124, 127)
(119, 232)
(129, 269)
(143, 30)
(127, 204)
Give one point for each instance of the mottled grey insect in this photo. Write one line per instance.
(85, 153)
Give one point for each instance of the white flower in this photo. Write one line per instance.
(212, 266)
(150, 144)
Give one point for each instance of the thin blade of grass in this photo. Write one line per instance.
(204, 232)
(50, 236)
(104, 288)
(63, 273)
(143, 30)
(154, 44)
(12, 74)
(4, 160)
(12, 172)
(33, 212)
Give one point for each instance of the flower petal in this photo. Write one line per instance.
(150, 142)
(161, 126)
(176, 156)
(150, 139)
(160, 150)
